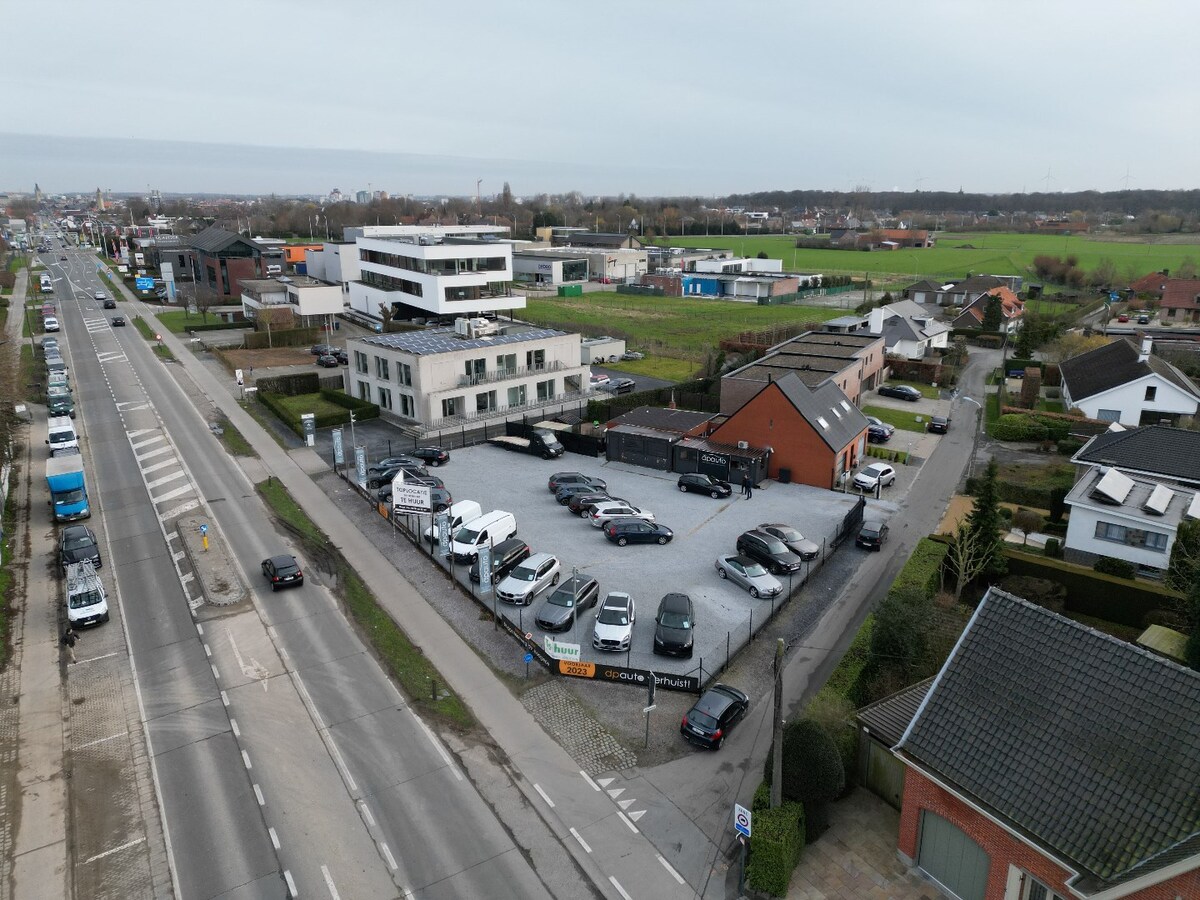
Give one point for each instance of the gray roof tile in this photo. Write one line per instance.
(1152, 450)
(1115, 364)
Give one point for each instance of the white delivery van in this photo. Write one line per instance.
(87, 603)
(61, 436)
(485, 531)
(460, 514)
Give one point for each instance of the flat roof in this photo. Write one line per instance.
(430, 341)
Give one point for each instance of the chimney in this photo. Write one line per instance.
(1147, 343)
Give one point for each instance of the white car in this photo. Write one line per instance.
(879, 474)
(530, 578)
(598, 380)
(50, 323)
(603, 513)
(614, 622)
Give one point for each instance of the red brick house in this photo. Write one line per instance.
(1012, 309)
(1180, 300)
(1151, 285)
(1049, 761)
(222, 260)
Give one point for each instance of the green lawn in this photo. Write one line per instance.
(234, 441)
(178, 321)
(902, 419)
(679, 327)
(665, 367)
(310, 403)
(928, 391)
(1054, 406)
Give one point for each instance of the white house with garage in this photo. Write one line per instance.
(1121, 382)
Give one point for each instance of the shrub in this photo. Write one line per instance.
(1006, 513)
(1016, 427)
(762, 797)
(835, 713)
(812, 771)
(775, 848)
(1068, 447)
(1042, 591)
(1119, 568)
(1053, 548)
(1053, 393)
(291, 385)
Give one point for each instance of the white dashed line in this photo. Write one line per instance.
(582, 843)
(287, 876)
(329, 883)
(625, 819)
(258, 795)
(545, 796)
(366, 811)
(387, 854)
(587, 778)
(438, 746)
(216, 674)
(341, 764)
(620, 890)
(274, 838)
(246, 759)
(237, 732)
(207, 651)
(668, 867)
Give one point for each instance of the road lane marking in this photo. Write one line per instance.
(137, 445)
(258, 795)
(237, 732)
(308, 701)
(96, 658)
(366, 811)
(582, 843)
(171, 495)
(438, 746)
(341, 763)
(587, 778)
(246, 759)
(216, 674)
(637, 814)
(159, 482)
(177, 511)
(387, 855)
(545, 796)
(111, 737)
(160, 465)
(616, 792)
(275, 838)
(287, 876)
(329, 883)
(199, 629)
(207, 650)
(124, 846)
(153, 453)
(668, 867)
(625, 804)
(225, 698)
(625, 819)
(620, 889)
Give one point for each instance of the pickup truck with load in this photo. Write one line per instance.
(539, 443)
(68, 492)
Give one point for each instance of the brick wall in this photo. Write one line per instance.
(1002, 848)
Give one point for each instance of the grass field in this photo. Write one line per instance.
(309, 403)
(900, 418)
(956, 254)
(679, 327)
(665, 367)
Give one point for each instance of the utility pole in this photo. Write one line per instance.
(777, 732)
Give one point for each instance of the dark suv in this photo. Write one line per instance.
(570, 598)
(770, 551)
(714, 715)
(505, 557)
(674, 625)
(77, 543)
(560, 479)
(694, 482)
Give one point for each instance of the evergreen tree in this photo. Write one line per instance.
(992, 315)
(984, 521)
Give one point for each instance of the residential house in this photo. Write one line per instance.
(1049, 761)
(814, 435)
(1120, 383)
(1012, 309)
(960, 293)
(1151, 285)
(925, 291)
(473, 371)
(222, 259)
(1169, 455)
(1180, 300)
(908, 329)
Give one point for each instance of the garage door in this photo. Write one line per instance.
(951, 858)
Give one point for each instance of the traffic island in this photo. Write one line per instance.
(212, 564)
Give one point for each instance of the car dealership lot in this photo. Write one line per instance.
(703, 528)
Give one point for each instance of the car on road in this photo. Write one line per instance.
(558, 479)
(562, 608)
(110, 303)
(744, 571)
(62, 259)
(614, 622)
(323, 350)
(434, 456)
(713, 716)
(100, 296)
(770, 551)
(876, 474)
(505, 556)
(695, 483)
(328, 361)
(619, 386)
(796, 542)
(282, 571)
(877, 434)
(528, 579)
(50, 323)
(637, 531)
(901, 391)
(77, 543)
(603, 513)
(871, 535)
(118, 321)
(1143, 320)
(675, 625)
(938, 424)
(1123, 317)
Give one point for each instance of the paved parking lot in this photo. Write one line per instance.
(703, 528)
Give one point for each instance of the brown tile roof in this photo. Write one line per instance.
(1181, 293)
(1150, 284)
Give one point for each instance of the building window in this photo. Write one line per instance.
(545, 390)
(364, 391)
(516, 395)
(360, 362)
(451, 406)
(1032, 889)
(404, 374)
(1107, 415)
(381, 369)
(535, 359)
(388, 283)
(385, 398)
(408, 407)
(1132, 537)
(1150, 392)
(485, 401)
(1156, 541)
(506, 363)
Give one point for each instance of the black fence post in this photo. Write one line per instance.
(752, 624)
(727, 648)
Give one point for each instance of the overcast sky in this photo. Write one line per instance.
(655, 98)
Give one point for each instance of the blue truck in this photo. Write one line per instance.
(68, 491)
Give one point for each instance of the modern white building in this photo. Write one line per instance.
(738, 265)
(533, 267)
(476, 370)
(311, 302)
(336, 262)
(1121, 383)
(605, 264)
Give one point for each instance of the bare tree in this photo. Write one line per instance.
(1027, 521)
(968, 557)
(274, 318)
(205, 299)
(386, 312)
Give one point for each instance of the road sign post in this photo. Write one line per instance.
(741, 824)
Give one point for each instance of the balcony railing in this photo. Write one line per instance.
(501, 411)
(498, 375)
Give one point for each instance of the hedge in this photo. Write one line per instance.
(291, 385)
(1021, 494)
(776, 845)
(291, 337)
(362, 409)
(218, 326)
(923, 569)
(1015, 427)
(1094, 594)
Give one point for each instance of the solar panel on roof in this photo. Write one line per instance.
(1193, 511)
(1159, 500)
(1114, 487)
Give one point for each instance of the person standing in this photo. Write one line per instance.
(747, 487)
(69, 638)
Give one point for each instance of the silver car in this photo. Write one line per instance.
(603, 513)
(749, 574)
(529, 579)
(796, 542)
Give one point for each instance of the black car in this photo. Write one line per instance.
(872, 535)
(61, 406)
(938, 424)
(77, 543)
(328, 361)
(637, 531)
(323, 350)
(282, 571)
(696, 483)
(434, 456)
(572, 596)
(560, 479)
(118, 321)
(770, 551)
(709, 722)
(674, 625)
(581, 504)
(342, 357)
(564, 494)
(380, 477)
(110, 303)
(902, 391)
(796, 542)
(392, 462)
(877, 434)
(620, 386)
(506, 555)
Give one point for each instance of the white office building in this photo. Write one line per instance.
(311, 302)
(476, 370)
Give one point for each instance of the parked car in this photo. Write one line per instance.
(713, 716)
(434, 456)
(938, 424)
(564, 494)
(674, 625)
(558, 479)
(751, 575)
(620, 385)
(770, 551)
(599, 379)
(696, 483)
(614, 622)
(282, 571)
(328, 361)
(77, 543)
(505, 556)
(875, 474)
(603, 513)
(439, 498)
(528, 579)
(343, 357)
(392, 462)
(871, 535)
(902, 391)
(632, 354)
(110, 303)
(877, 434)
(50, 323)
(567, 601)
(796, 542)
(49, 343)
(637, 531)
(323, 350)
(582, 504)
(887, 426)
(381, 477)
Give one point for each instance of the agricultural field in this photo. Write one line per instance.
(679, 327)
(994, 253)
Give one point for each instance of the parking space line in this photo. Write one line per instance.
(545, 796)
(669, 868)
(620, 889)
(111, 737)
(387, 854)
(124, 846)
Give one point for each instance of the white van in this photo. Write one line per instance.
(460, 513)
(87, 603)
(484, 531)
(61, 436)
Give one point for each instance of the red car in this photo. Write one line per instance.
(1122, 318)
